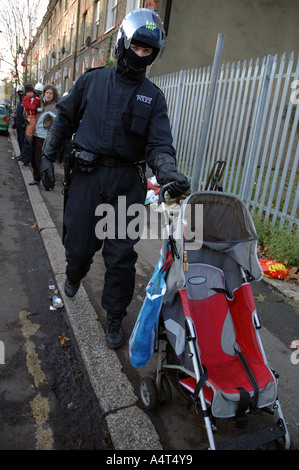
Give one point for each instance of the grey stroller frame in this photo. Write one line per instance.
(226, 250)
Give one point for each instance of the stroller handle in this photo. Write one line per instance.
(163, 190)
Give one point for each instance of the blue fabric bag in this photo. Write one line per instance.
(143, 337)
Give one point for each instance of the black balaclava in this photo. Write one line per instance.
(136, 63)
(131, 65)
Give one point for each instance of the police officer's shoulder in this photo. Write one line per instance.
(96, 72)
(156, 87)
(91, 69)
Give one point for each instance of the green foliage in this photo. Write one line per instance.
(109, 62)
(278, 244)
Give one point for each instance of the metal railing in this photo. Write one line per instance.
(253, 127)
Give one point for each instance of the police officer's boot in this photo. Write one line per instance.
(114, 335)
(71, 288)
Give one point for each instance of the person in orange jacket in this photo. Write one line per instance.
(31, 103)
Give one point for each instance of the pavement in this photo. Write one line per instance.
(129, 426)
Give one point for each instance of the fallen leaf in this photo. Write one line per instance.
(34, 225)
(63, 340)
(260, 298)
(293, 274)
(295, 344)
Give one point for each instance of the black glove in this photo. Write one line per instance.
(47, 173)
(165, 170)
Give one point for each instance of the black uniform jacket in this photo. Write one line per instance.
(113, 114)
(20, 118)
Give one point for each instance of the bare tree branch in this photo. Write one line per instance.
(18, 21)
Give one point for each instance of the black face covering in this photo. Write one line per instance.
(135, 62)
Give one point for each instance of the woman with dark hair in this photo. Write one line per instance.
(45, 118)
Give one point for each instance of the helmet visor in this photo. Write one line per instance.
(145, 26)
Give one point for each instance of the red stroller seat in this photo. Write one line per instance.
(238, 377)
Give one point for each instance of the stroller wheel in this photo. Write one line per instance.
(165, 395)
(148, 393)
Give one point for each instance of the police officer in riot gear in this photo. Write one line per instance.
(119, 120)
(38, 88)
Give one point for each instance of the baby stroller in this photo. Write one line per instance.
(209, 323)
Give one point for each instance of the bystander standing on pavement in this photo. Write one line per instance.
(30, 103)
(120, 121)
(44, 122)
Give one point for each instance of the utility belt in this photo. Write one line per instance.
(84, 161)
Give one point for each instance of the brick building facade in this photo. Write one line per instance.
(74, 36)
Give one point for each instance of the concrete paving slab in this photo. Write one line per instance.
(120, 422)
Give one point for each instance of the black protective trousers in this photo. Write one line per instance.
(87, 192)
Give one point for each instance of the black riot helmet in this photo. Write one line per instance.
(144, 27)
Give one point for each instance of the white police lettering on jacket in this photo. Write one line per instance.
(144, 99)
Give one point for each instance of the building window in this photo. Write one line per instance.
(41, 70)
(66, 85)
(63, 50)
(72, 39)
(111, 14)
(53, 57)
(58, 52)
(96, 18)
(84, 28)
(61, 8)
(132, 5)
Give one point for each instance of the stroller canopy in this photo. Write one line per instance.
(228, 240)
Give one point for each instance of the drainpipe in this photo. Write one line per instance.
(167, 16)
(77, 38)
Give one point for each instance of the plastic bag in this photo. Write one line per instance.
(153, 185)
(144, 334)
(273, 269)
(152, 198)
